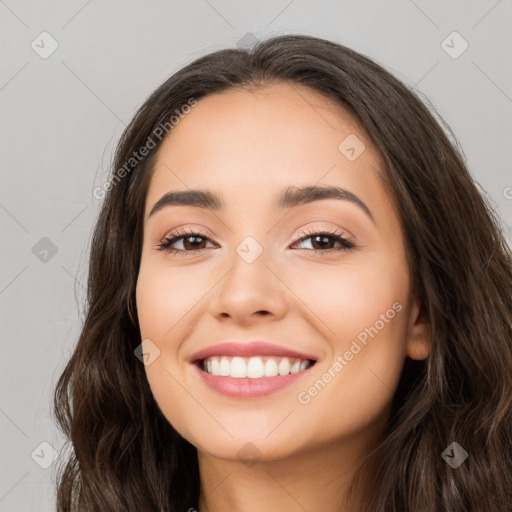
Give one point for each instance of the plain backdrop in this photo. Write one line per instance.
(72, 75)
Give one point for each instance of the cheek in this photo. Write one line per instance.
(165, 295)
(362, 313)
(343, 300)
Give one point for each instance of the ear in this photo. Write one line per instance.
(418, 333)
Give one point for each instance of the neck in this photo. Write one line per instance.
(314, 480)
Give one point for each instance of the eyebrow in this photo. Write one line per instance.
(288, 198)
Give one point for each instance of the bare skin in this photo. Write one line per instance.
(299, 446)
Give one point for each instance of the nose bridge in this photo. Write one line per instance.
(249, 286)
(249, 264)
(250, 234)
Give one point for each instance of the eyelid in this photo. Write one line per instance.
(332, 230)
(187, 229)
(308, 231)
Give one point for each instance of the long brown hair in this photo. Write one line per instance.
(125, 456)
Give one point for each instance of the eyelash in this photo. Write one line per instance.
(165, 244)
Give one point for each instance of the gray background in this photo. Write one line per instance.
(61, 116)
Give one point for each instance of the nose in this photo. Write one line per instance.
(249, 293)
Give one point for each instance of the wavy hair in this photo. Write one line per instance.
(125, 456)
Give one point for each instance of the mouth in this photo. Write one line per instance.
(247, 370)
(256, 367)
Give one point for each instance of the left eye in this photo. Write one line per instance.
(322, 239)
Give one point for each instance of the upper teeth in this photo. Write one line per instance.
(253, 367)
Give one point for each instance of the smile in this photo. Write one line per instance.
(250, 369)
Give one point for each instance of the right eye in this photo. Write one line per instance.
(190, 238)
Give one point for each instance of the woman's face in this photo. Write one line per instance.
(265, 264)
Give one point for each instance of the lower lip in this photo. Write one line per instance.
(249, 388)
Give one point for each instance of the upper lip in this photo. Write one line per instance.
(248, 349)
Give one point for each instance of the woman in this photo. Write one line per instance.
(297, 299)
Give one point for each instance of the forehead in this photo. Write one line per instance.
(250, 144)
